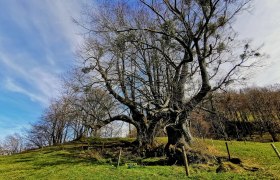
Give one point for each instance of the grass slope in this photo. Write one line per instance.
(71, 162)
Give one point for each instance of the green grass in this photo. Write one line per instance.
(70, 162)
(256, 154)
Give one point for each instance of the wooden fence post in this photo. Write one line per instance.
(185, 161)
(102, 148)
(276, 151)
(228, 151)
(119, 159)
(212, 142)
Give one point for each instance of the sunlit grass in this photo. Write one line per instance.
(66, 162)
(253, 153)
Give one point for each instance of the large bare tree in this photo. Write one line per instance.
(160, 58)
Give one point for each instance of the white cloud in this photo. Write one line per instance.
(12, 86)
(39, 83)
(50, 21)
(262, 25)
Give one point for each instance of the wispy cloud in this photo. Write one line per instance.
(13, 87)
(37, 44)
(49, 37)
(36, 82)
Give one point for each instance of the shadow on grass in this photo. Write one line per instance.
(69, 158)
(23, 160)
(57, 163)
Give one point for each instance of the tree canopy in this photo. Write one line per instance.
(160, 59)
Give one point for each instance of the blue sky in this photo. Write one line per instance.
(37, 44)
(38, 40)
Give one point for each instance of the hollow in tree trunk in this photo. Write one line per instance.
(178, 135)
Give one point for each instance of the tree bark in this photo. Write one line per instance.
(145, 139)
(146, 132)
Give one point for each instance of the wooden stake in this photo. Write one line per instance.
(185, 161)
(276, 151)
(102, 148)
(244, 140)
(119, 159)
(228, 151)
(212, 142)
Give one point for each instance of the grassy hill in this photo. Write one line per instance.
(75, 161)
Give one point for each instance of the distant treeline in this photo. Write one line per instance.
(240, 114)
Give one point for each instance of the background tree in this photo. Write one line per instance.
(38, 135)
(91, 107)
(79, 112)
(13, 143)
(247, 112)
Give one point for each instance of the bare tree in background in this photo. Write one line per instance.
(79, 112)
(160, 59)
(39, 135)
(91, 107)
(56, 117)
(248, 111)
(13, 143)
